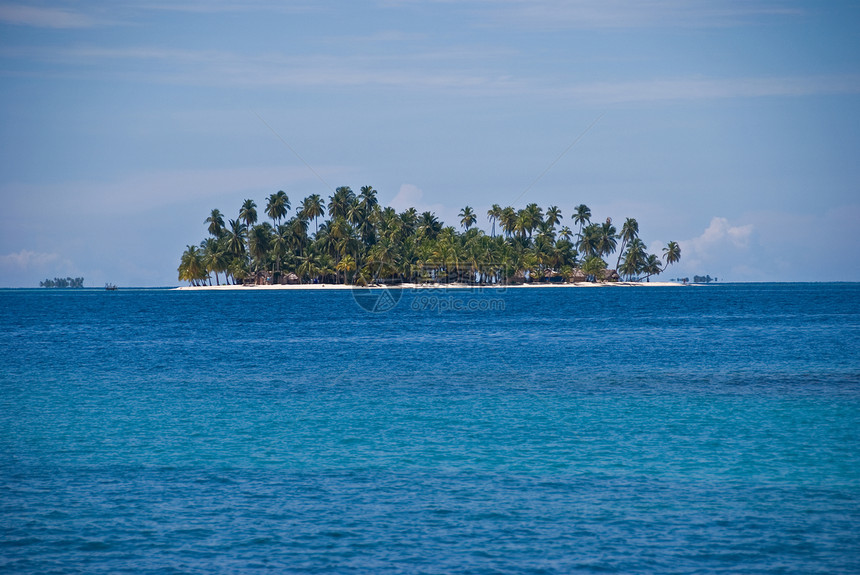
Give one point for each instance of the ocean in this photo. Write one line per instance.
(711, 429)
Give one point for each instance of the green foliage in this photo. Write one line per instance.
(67, 282)
(364, 242)
(594, 267)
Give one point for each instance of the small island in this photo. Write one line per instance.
(364, 243)
(63, 283)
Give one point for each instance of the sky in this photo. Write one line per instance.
(731, 127)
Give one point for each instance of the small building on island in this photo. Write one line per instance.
(578, 276)
(609, 276)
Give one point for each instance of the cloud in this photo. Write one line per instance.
(26, 259)
(720, 242)
(149, 191)
(38, 17)
(408, 196)
(703, 88)
(447, 69)
(719, 231)
(26, 268)
(411, 196)
(600, 14)
(466, 71)
(227, 6)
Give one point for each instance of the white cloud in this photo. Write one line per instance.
(719, 242)
(411, 196)
(26, 259)
(703, 88)
(600, 14)
(26, 268)
(465, 70)
(143, 192)
(221, 6)
(43, 17)
(718, 231)
(776, 246)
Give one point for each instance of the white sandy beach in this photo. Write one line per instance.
(434, 286)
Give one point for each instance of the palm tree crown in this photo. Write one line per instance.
(493, 214)
(313, 208)
(248, 213)
(671, 253)
(582, 216)
(216, 223)
(277, 206)
(467, 217)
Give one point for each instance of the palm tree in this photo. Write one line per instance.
(589, 241)
(628, 267)
(216, 223)
(236, 237)
(389, 225)
(191, 267)
(606, 240)
(671, 253)
(508, 220)
(522, 224)
(248, 214)
(367, 198)
(634, 259)
(594, 266)
(312, 208)
(383, 255)
(582, 216)
(259, 241)
(629, 232)
(493, 214)
(553, 216)
(298, 234)
(212, 258)
(277, 206)
(409, 219)
(428, 225)
(238, 270)
(565, 233)
(278, 246)
(308, 267)
(534, 217)
(467, 217)
(347, 266)
(651, 266)
(340, 203)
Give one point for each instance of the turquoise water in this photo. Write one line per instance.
(667, 430)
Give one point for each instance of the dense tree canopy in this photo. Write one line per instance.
(67, 282)
(364, 242)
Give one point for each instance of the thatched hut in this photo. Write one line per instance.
(609, 276)
(518, 278)
(553, 276)
(291, 279)
(578, 275)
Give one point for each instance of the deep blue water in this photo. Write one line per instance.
(667, 430)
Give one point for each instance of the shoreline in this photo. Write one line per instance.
(437, 286)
